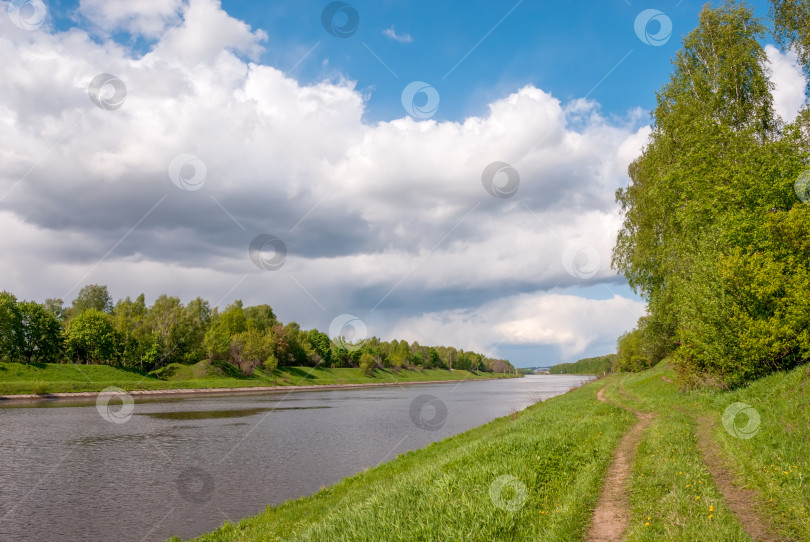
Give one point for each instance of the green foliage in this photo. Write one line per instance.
(698, 215)
(470, 361)
(222, 329)
(239, 339)
(758, 308)
(367, 364)
(56, 307)
(270, 364)
(289, 348)
(260, 317)
(92, 296)
(321, 345)
(658, 335)
(165, 326)
(792, 27)
(587, 366)
(197, 318)
(433, 359)
(91, 338)
(128, 319)
(41, 333)
(630, 353)
(11, 330)
(254, 348)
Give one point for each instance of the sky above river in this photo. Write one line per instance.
(442, 171)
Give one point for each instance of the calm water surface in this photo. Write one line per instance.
(184, 466)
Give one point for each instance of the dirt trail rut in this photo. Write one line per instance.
(739, 500)
(612, 511)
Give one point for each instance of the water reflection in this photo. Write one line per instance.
(210, 414)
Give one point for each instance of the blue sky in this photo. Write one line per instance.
(305, 136)
(565, 47)
(472, 52)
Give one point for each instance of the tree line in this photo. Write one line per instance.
(131, 334)
(716, 218)
(587, 366)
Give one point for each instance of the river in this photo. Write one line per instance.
(181, 467)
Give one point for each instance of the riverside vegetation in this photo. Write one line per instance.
(588, 366)
(716, 232)
(92, 344)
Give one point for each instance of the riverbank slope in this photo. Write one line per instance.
(538, 474)
(53, 378)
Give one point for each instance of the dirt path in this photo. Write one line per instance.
(612, 512)
(740, 500)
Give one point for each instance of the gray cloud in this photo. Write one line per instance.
(392, 210)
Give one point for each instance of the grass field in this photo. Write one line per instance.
(16, 378)
(537, 475)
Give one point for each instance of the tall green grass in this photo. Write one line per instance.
(553, 454)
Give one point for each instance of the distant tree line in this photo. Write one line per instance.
(716, 232)
(131, 334)
(587, 366)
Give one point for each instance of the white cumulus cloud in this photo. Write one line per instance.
(388, 221)
(401, 38)
(789, 82)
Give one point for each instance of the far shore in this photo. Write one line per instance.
(190, 392)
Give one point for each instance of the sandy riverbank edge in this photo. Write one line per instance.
(190, 392)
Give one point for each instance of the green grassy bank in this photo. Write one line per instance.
(16, 378)
(670, 474)
(555, 455)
